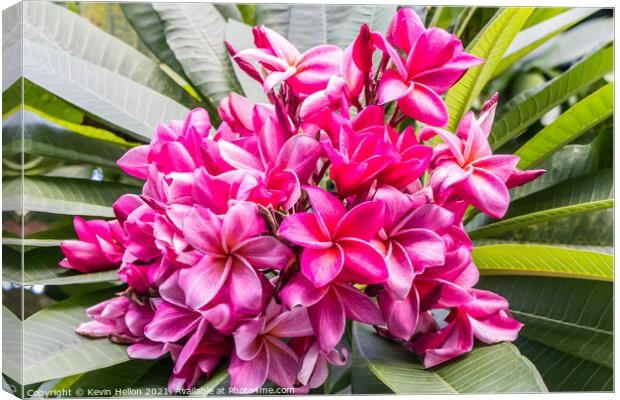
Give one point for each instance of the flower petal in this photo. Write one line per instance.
(362, 263)
(202, 282)
(321, 266)
(424, 105)
(328, 320)
(304, 230)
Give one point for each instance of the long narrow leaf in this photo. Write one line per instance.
(490, 369)
(490, 44)
(572, 197)
(112, 98)
(578, 119)
(537, 260)
(529, 107)
(63, 195)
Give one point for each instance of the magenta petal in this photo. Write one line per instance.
(294, 323)
(400, 271)
(424, 105)
(282, 363)
(496, 328)
(239, 157)
(248, 342)
(241, 222)
(392, 87)
(304, 230)
(171, 323)
(245, 288)
(266, 252)
(358, 305)
(202, 229)
(202, 282)
(500, 165)
(486, 192)
(190, 346)
(329, 209)
(363, 263)
(401, 315)
(249, 376)
(328, 320)
(429, 216)
(321, 266)
(424, 247)
(299, 291)
(362, 222)
(299, 154)
(146, 350)
(135, 162)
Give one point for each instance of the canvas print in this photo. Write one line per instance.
(289, 199)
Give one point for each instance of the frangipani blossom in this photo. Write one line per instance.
(99, 246)
(305, 73)
(435, 61)
(260, 352)
(231, 251)
(335, 241)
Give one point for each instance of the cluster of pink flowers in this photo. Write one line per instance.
(254, 244)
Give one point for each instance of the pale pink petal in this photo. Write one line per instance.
(135, 162)
(147, 350)
(203, 230)
(500, 165)
(424, 247)
(400, 271)
(248, 342)
(241, 222)
(401, 315)
(239, 157)
(245, 288)
(496, 328)
(299, 154)
(289, 324)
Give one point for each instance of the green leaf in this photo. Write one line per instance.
(240, 36)
(219, 379)
(112, 98)
(12, 343)
(574, 44)
(537, 260)
(569, 320)
(44, 138)
(490, 44)
(578, 119)
(486, 369)
(63, 195)
(564, 372)
(116, 380)
(533, 37)
(54, 26)
(41, 268)
(195, 33)
(529, 107)
(307, 26)
(462, 20)
(53, 350)
(572, 197)
(149, 27)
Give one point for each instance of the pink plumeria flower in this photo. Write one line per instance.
(314, 369)
(260, 352)
(469, 167)
(329, 307)
(99, 246)
(409, 237)
(435, 61)
(486, 318)
(232, 249)
(174, 148)
(305, 73)
(335, 241)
